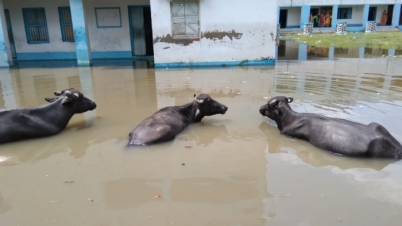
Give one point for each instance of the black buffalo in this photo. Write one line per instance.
(46, 120)
(332, 134)
(166, 123)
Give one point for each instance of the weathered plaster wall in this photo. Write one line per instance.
(110, 39)
(56, 43)
(252, 23)
(101, 39)
(334, 2)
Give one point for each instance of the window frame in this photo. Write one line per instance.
(62, 24)
(175, 36)
(347, 9)
(27, 26)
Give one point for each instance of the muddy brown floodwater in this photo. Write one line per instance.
(238, 171)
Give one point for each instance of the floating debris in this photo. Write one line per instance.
(187, 146)
(284, 195)
(91, 200)
(158, 196)
(69, 182)
(183, 164)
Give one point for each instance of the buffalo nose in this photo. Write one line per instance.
(262, 110)
(93, 106)
(225, 108)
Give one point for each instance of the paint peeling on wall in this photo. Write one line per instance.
(169, 39)
(221, 34)
(212, 35)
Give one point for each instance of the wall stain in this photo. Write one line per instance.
(221, 34)
(213, 35)
(169, 39)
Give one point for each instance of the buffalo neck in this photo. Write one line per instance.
(286, 116)
(55, 112)
(189, 111)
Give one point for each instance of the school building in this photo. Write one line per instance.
(293, 14)
(171, 33)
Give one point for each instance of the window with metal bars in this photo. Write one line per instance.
(35, 25)
(185, 18)
(66, 24)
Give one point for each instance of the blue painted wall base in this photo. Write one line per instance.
(216, 64)
(52, 56)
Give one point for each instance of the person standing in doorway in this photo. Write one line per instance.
(315, 20)
(327, 19)
(310, 18)
(384, 18)
(322, 20)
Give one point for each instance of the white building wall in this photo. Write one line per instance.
(334, 2)
(294, 14)
(56, 43)
(101, 39)
(254, 21)
(110, 39)
(357, 14)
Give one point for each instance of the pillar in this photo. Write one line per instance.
(304, 15)
(302, 51)
(361, 51)
(391, 52)
(365, 14)
(7, 88)
(85, 74)
(5, 54)
(331, 53)
(80, 33)
(278, 16)
(334, 16)
(396, 14)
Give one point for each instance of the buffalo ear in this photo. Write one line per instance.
(66, 100)
(290, 99)
(273, 103)
(50, 100)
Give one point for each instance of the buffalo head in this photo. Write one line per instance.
(74, 100)
(206, 106)
(272, 108)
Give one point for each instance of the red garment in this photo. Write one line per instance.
(322, 19)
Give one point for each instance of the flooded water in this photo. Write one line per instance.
(239, 169)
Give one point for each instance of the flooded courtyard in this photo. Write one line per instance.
(232, 169)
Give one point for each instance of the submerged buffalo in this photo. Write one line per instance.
(166, 123)
(332, 134)
(46, 120)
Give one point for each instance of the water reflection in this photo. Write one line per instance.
(291, 50)
(228, 175)
(4, 206)
(128, 192)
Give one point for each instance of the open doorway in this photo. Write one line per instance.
(283, 17)
(372, 14)
(390, 14)
(315, 11)
(141, 30)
